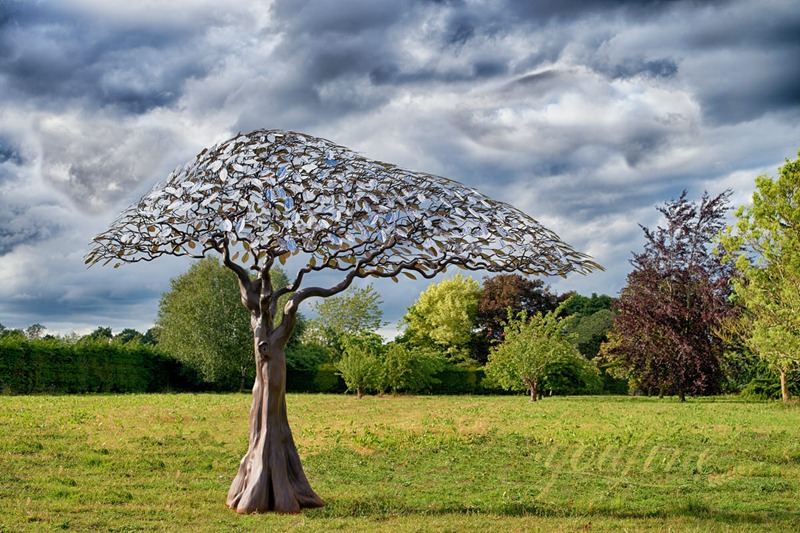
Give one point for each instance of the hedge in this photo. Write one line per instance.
(90, 366)
(32, 366)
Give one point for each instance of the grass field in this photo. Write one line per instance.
(164, 463)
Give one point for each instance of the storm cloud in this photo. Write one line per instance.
(584, 114)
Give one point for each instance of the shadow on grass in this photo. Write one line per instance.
(381, 508)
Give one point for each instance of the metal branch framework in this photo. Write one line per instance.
(280, 193)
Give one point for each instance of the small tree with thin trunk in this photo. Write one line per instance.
(271, 195)
(764, 244)
(360, 365)
(532, 346)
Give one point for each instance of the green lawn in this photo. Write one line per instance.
(164, 463)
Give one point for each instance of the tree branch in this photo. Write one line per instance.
(249, 294)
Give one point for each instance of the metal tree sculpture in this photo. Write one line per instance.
(269, 195)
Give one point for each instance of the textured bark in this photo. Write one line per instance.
(784, 387)
(532, 387)
(270, 477)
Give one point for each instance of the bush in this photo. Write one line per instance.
(768, 388)
(322, 379)
(567, 378)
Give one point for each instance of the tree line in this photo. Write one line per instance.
(707, 308)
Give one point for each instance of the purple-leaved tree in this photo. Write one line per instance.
(675, 300)
(269, 195)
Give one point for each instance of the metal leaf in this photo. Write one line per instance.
(336, 198)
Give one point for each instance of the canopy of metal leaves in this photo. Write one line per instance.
(276, 193)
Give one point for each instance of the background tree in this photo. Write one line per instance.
(531, 347)
(150, 337)
(443, 317)
(577, 304)
(128, 335)
(591, 331)
(270, 195)
(357, 310)
(35, 331)
(674, 300)
(764, 245)
(360, 364)
(100, 333)
(510, 291)
(15, 333)
(499, 294)
(202, 323)
(410, 368)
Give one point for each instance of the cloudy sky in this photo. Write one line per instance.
(585, 115)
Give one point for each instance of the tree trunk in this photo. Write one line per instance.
(784, 386)
(243, 380)
(359, 393)
(681, 395)
(270, 476)
(532, 388)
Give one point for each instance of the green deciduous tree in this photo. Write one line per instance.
(591, 331)
(202, 323)
(443, 317)
(128, 335)
(532, 346)
(409, 368)
(356, 310)
(360, 364)
(100, 333)
(764, 244)
(580, 305)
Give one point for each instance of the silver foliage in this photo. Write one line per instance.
(276, 193)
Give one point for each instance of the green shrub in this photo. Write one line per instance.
(768, 388)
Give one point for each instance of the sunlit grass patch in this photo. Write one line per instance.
(164, 463)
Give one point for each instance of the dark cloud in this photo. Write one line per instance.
(549, 10)
(460, 33)
(767, 85)
(733, 26)
(55, 308)
(348, 18)
(9, 153)
(658, 68)
(372, 41)
(538, 84)
(28, 224)
(55, 55)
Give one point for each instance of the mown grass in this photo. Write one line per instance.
(164, 463)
